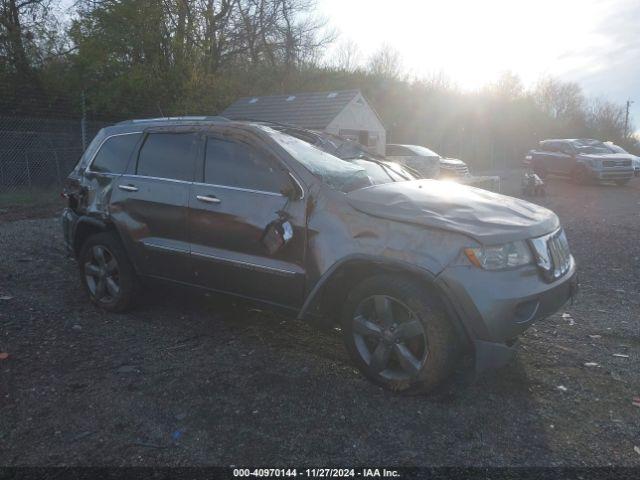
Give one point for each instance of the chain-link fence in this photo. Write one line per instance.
(36, 154)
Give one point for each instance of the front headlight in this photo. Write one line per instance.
(500, 257)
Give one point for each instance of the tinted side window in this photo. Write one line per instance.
(565, 148)
(114, 154)
(235, 164)
(167, 155)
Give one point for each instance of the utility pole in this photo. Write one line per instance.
(626, 119)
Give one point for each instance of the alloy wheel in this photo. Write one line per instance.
(389, 337)
(102, 274)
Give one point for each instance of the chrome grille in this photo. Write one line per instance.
(552, 254)
(455, 170)
(616, 163)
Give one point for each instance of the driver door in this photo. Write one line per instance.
(233, 204)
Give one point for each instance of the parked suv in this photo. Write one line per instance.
(634, 158)
(583, 160)
(412, 271)
(427, 162)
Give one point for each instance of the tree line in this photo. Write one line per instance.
(118, 59)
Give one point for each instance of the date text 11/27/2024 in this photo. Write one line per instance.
(316, 472)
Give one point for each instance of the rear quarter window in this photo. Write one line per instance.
(113, 156)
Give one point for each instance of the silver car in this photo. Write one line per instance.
(426, 162)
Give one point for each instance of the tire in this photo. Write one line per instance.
(108, 278)
(422, 329)
(580, 176)
(622, 183)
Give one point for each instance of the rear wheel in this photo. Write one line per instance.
(398, 334)
(106, 272)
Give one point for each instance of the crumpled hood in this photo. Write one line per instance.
(488, 217)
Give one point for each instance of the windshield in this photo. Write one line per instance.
(336, 173)
(616, 149)
(383, 172)
(591, 147)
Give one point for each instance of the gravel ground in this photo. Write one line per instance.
(193, 379)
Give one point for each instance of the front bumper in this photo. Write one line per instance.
(496, 307)
(611, 174)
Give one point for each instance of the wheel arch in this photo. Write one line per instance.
(87, 226)
(323, 303)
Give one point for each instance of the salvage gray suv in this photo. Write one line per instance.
(414, 272)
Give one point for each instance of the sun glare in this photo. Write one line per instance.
(473, 42)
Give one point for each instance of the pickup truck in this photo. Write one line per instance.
(583, 160)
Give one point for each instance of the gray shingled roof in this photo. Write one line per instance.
(308, 110)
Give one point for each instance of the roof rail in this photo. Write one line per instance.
(192, 118)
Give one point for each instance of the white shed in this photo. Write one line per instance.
(343, 112)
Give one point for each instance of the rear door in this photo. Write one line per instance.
(565, 158)
(546, 157)
(231, 208)
(150, 202)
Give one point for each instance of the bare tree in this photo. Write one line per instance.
(20, 25)
(385, 62)
(559, 99)
(347, 56)
(606, 120)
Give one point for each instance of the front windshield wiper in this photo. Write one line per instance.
(384, 166)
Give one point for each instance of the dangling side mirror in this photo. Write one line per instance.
(293, 191)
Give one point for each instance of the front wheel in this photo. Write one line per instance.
(398, 334)
(581, 176)
(106, 273)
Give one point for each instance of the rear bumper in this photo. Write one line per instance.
(496, 307)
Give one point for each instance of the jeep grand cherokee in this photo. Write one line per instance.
(412, 271)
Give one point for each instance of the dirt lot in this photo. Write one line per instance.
(191, 379)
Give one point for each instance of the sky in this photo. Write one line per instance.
(593, 42)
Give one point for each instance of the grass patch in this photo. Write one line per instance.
(25, 197)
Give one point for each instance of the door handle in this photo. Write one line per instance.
(208, 198)
(128, 188)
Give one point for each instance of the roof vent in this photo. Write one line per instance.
(291, 98)
(253, 100)
(332, 95)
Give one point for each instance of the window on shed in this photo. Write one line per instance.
(233, 164)
(168, 155)
(114, 154)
